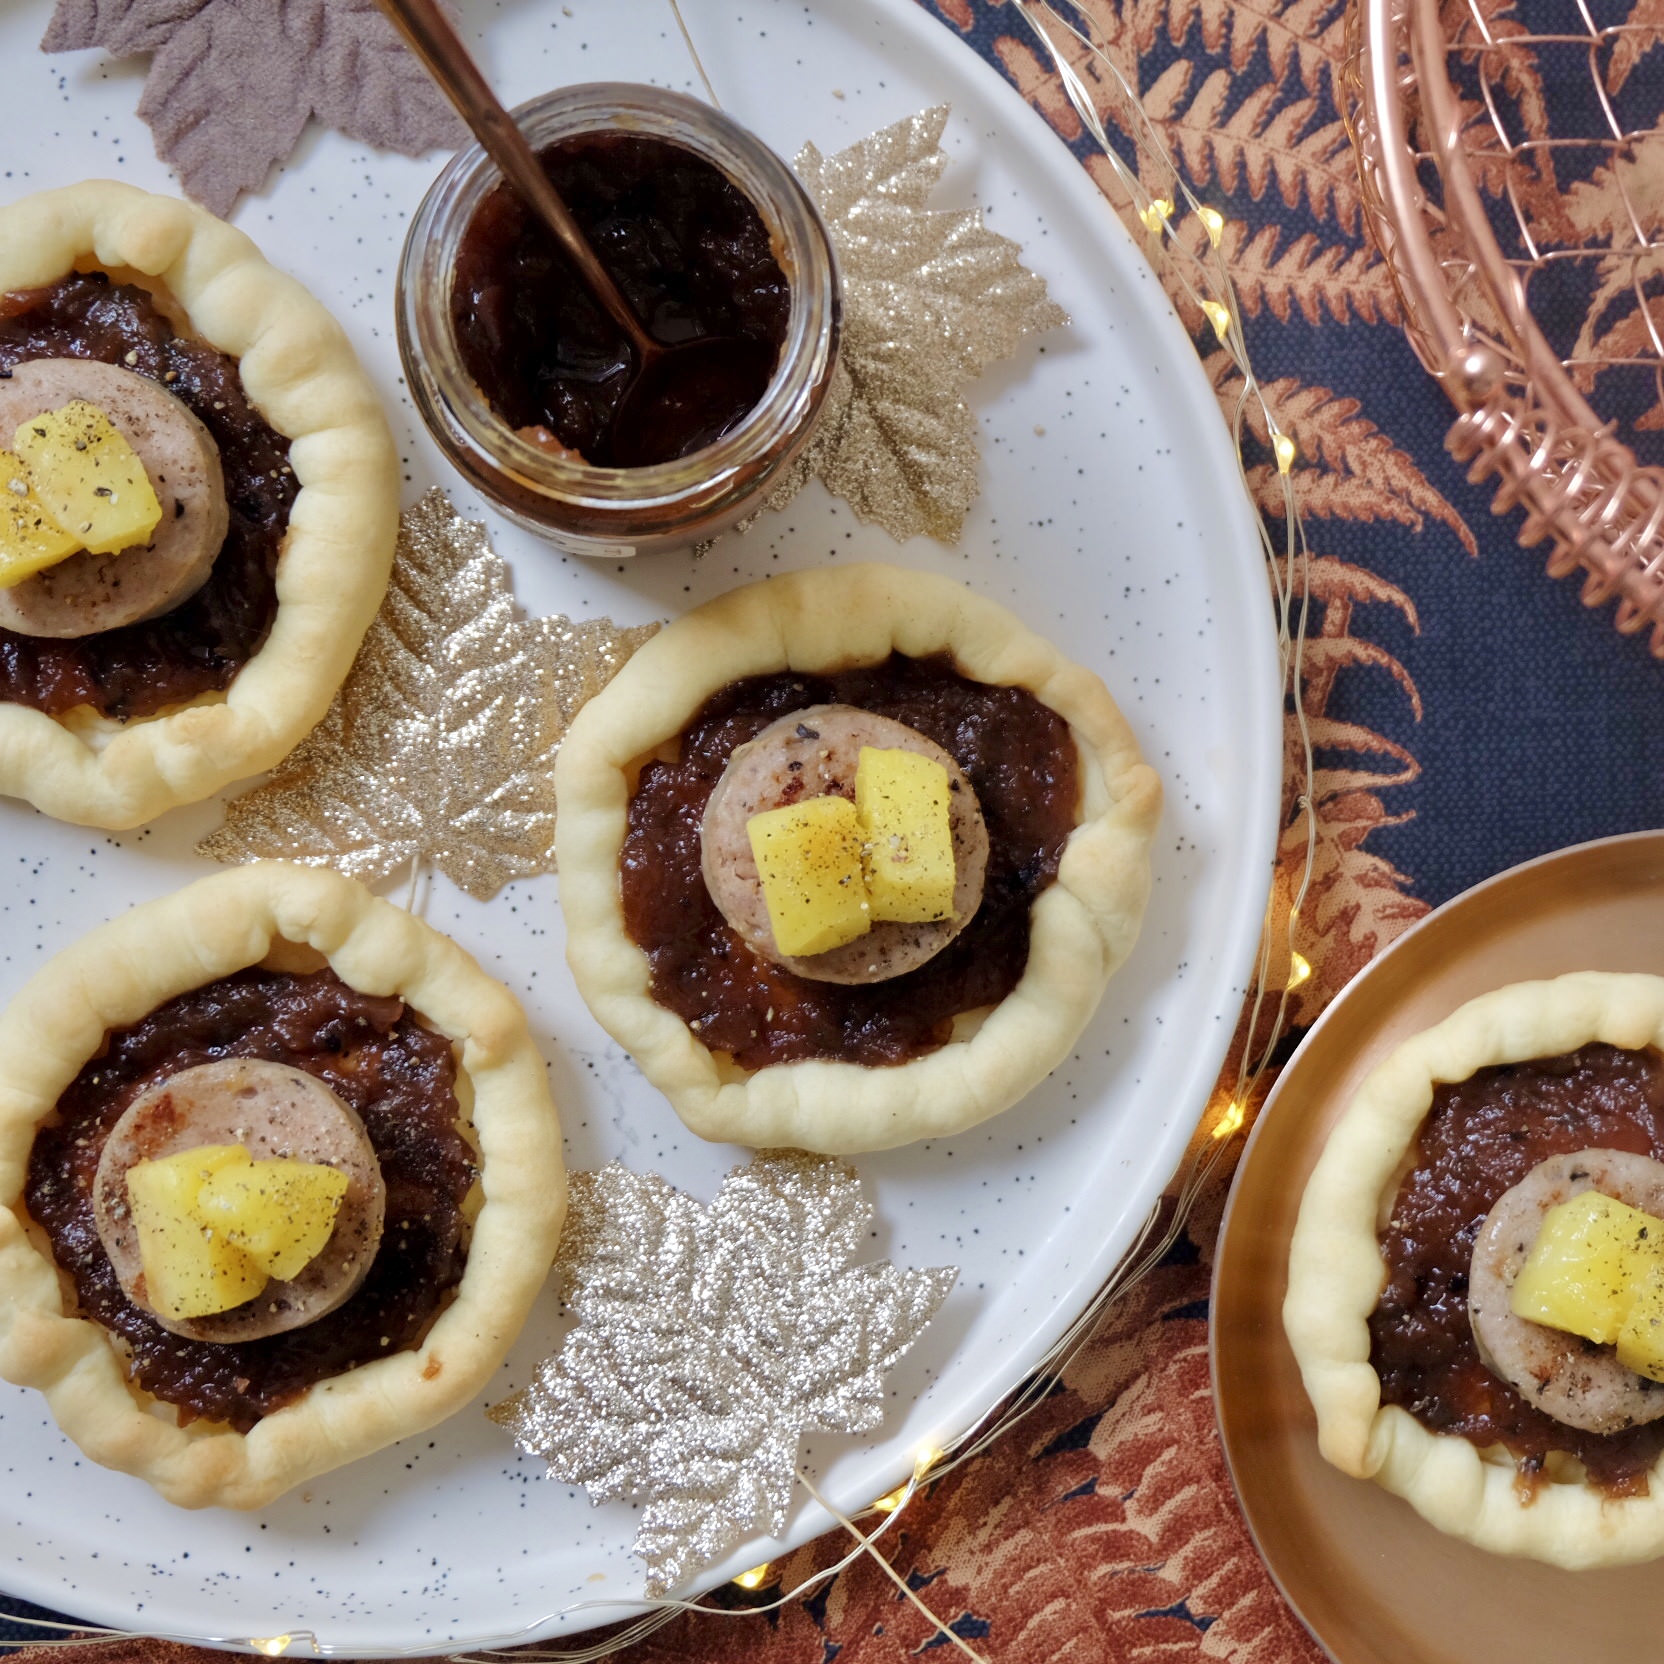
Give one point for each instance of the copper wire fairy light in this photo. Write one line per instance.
(1467, 194)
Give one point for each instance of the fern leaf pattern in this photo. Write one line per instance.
(1259, 142)
(1645, 31)
(1304, 275)
(1306, 36)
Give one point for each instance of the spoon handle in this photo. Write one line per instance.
(452, 67)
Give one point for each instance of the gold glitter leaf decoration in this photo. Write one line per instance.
(930, 299)
(709, 1341)
(440, 745)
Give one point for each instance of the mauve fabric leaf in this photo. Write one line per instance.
(366, 84)
(233, 83)
(225, 100)
(123, 28)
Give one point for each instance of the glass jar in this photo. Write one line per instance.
(606, 511)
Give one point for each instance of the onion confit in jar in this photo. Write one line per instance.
(519, 374)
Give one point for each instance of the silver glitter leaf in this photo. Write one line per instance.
(930, 299)
(709, 1341)
(440, 746)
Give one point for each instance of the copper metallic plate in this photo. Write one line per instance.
(1367, 1575)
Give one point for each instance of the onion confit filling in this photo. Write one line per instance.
(372, 1052)
(201, 645)
(690, 254)
(1021, 761)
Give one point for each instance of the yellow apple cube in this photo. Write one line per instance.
(808, 858)
(89, 477)
(1641, 1340)
(1591, 1255)
(190, 1270)
(280, 1213)
(30, 539)
(903, 800)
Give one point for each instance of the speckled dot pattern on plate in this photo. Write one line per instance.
(1110, 519)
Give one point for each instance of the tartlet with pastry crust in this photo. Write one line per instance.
(1426, 1371)
(121, 760)
(475, 1190)
(1062, 911)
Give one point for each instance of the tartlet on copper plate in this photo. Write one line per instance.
(1337, 1273)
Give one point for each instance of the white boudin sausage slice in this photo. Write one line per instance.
(1565, 1376)
(88, 593)
(812, 753)
(271, 1110)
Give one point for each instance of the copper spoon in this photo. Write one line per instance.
(692, 392)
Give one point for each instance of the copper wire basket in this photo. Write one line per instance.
(1513, 176)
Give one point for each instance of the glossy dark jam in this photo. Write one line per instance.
(688, 251)
(1481, 1137)
(373, 1053)
(1021, 761)
(201, 645)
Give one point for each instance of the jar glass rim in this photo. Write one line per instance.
(800, 242)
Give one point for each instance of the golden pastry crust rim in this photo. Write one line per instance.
(1336, 1274)
(123, 970)
(1084, 924)
(301, 372)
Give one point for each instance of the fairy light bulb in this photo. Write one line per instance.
(1219, 315)
(1236, 1112)
(924, 1459)
(755, 1578)
(1155, 215)
(273, 1646)
(1299, 970)
(1284, 447)
(1214, 221)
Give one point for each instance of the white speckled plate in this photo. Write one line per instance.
(1111, 519)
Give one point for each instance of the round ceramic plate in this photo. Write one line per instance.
(1110, 519)
(1368, 1576)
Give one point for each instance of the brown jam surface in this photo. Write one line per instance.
(1021, 761)
(201, 645)
(1481, 1137)
(371, 1052)
(688, 251)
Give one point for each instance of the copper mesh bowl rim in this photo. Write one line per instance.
(1582, 488)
